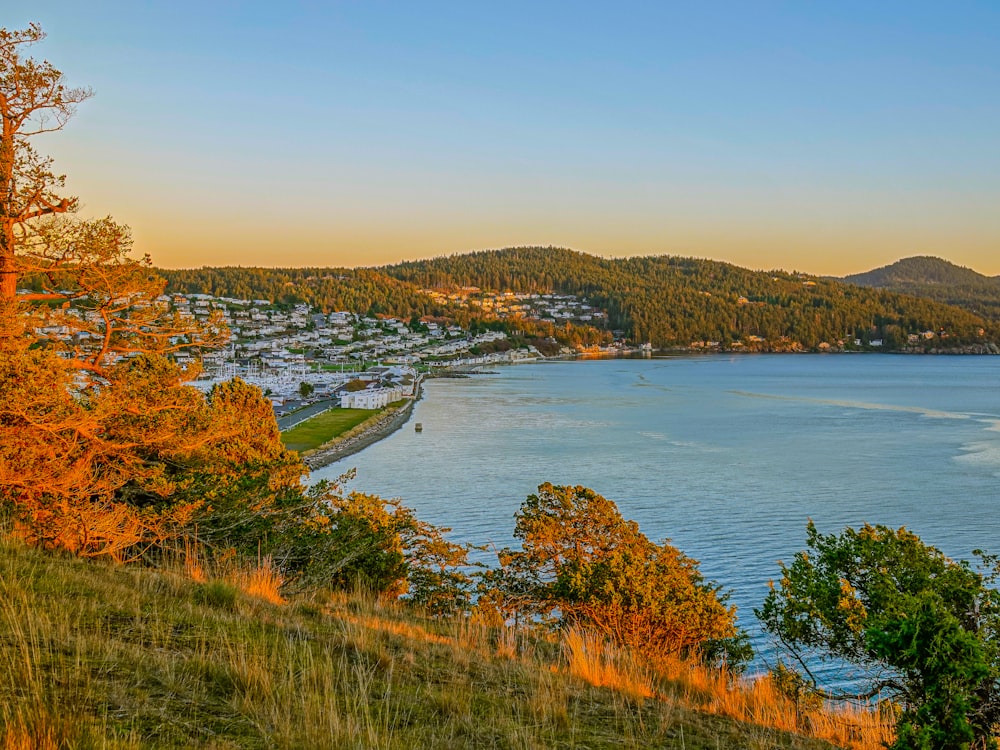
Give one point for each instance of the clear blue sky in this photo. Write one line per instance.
(821, 136)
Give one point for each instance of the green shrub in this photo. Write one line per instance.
(923, 629)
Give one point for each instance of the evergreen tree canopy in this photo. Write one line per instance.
(924, 629)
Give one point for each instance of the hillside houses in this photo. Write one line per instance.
(549, 308)
(279, 349)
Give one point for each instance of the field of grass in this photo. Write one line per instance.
(324, 427)
(97, 656)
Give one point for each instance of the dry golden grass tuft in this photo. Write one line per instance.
(605, 665)
(193, 562)
(263, 581)
(37, 733)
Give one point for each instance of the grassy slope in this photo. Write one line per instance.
(98, 656)
(324, 427)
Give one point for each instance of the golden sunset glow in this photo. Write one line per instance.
(827, 139)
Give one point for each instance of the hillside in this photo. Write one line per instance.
(665, 300)
(672, 301)
(936, 279)
(127, 657)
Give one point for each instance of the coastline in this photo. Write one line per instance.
(340, 448)
(387, 424)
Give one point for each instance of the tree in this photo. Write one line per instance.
(582, 563)
(66, 454)
(382, 545)
(33, 100)
(239, 472)
(94, 409)
(306, 389)
(923, 629)
(92, 299)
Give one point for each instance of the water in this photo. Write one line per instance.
(728, 457)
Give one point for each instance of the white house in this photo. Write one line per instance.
(373, 398)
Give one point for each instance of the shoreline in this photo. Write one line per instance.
(387, 424)
(337, 449)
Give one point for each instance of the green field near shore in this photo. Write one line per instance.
(324, 427)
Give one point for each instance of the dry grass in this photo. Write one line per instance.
(754, 701)
(108, 657)
(601, 664)
(263, 581)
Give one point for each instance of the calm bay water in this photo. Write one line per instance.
(728, 457)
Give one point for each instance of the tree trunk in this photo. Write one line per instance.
(8, 268)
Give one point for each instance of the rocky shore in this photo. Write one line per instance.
(988, 348)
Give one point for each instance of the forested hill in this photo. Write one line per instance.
(360, 290)
(676, 301)
(668, 301)
(939, 280)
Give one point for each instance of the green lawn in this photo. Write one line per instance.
(324, 427)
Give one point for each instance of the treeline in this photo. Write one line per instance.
(359, 290)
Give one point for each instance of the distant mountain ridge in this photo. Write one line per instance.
(937, 279)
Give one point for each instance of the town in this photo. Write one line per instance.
(298, 355)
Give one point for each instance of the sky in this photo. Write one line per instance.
(821, 136)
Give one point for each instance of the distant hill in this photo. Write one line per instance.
(668, 301)
(937, 279)
(673, 301)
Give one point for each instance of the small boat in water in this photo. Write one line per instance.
(418, 427)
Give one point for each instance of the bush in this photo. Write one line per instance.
(391, 552)
(581, 563)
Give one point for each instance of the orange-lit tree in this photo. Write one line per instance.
(90, 298)
(33, 100)
(90, 403)
(582, 563)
